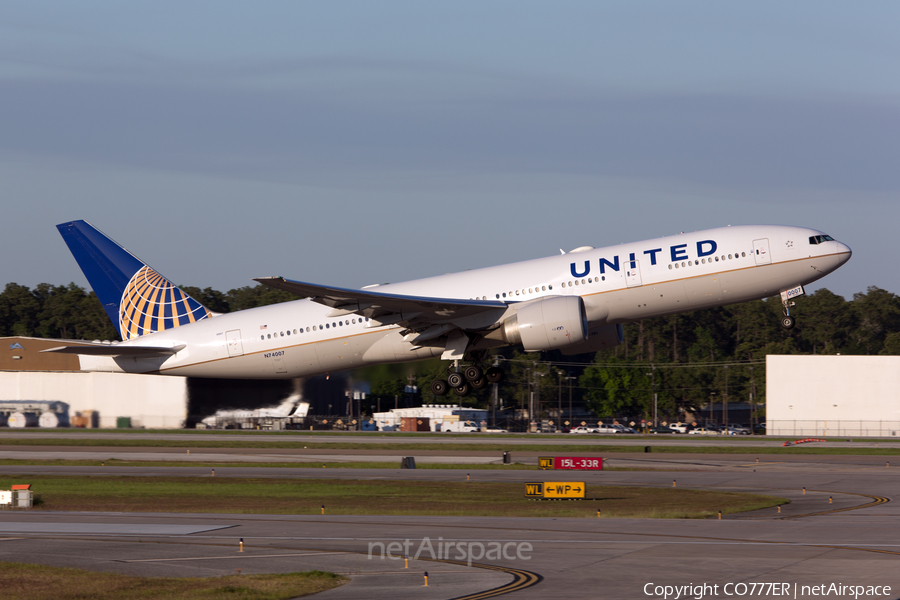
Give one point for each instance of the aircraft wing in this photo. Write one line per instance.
(392, 308)
(115, 350)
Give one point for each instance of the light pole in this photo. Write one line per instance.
(530, 398)
(725, 400)
(494, 399)
(752, 401)
(652, 375)
(559, 374)
(537, 387)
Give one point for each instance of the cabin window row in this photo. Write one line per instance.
(523, 292)
(334, 325)
(704, 261)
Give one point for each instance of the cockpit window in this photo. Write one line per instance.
(818, 239)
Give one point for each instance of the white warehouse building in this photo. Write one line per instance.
(846, 396)
(148, 401)
(438, 415)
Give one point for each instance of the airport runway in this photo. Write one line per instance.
(852, 541)
(474, 439)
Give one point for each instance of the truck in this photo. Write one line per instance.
(460, 426)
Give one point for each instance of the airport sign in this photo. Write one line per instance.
(555, 490)
(564, 489)
(534, 490)
(582, 463)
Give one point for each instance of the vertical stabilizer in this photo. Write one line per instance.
(137, 299)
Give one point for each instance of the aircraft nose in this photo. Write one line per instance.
(844, 252)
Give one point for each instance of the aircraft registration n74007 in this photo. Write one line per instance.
(574, 302)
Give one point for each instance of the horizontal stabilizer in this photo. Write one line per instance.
(115, 350)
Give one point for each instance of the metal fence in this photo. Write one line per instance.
(810, 428)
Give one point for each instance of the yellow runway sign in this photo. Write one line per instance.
(555, 490)
(534, 490)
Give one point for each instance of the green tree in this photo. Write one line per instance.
(258, 295)
(615, 388)
(212, 299)
(878, 316)
(19, 310)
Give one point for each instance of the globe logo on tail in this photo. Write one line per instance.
(151, 303)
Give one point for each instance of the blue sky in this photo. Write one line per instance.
(351, 143)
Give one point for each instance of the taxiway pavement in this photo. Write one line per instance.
(854, 539)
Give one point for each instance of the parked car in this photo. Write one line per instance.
(494, 430)
(736, 430)
(621, 428)
(662, 429)
(678, 427)
(703, 431)
(603, 428)
(582, 429)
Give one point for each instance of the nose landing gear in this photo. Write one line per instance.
(787, 321)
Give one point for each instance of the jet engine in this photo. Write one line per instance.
(546, 324)
(602, 337)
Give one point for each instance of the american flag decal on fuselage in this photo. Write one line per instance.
(150, 303)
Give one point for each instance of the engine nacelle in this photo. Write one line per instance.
(547, 324)
(599, 338)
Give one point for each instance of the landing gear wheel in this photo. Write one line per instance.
(455, 380)
(439, 387)
(788, 322)
(472, 373)
(494, 375)
(462, 390)
(478, 383)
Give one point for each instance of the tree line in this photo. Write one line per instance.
(70, 312)
(685, 360)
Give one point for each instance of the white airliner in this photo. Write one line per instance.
(575, 302)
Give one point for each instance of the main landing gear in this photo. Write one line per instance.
(462, 381)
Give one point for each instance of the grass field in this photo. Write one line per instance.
(357, 497)
(664, 447)
(562, 437)
(36, 582)
(312, 464)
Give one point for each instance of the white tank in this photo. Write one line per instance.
(48, 419)
(20, 420)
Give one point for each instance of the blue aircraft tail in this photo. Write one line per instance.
(137, 299)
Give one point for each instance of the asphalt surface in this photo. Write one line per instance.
(475, 439)
(845, 529)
